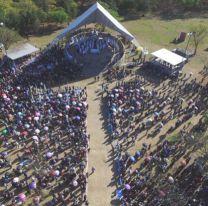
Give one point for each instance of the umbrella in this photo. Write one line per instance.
(149, 120)
(49, 154)
(74, 103)
(127, 186)
(67, 107)
(132, 159)
(75, 183)
(18, 88)
(142, 88)
(170, 179)
(19, 113)
(84, 103)
(161, 193)
(35, 138)
(57, 173)
(37, 131)
(24, 133)
(156, 114)
(60, 95)
(5, 131)
(22, 197)
(46, 128)
(27, 126)
(77, 117)
(37, 114)
(78, 108)
(36, 118)
(138, 153)
(53, 173)
(18, 133)
(114, 109)
(33, 185)
(15, 180)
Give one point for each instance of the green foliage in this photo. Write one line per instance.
(45, 5)
(12, 18)
(173, 138)
(8, 36)
(189, 3)
(58, 16)
(111, 9)
(200, 32)
(205, 118)
(29, 16)
(70, 6)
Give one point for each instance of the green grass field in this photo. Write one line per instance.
(156, 33)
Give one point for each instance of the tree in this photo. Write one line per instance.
(12, 19)
(58, 16)
(8, 37)
(45, 5)
(29, 16)
(199, 32)
(113, 10)
(71, 7)
(189, 4)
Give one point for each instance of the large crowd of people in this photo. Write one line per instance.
(50, 67)
(137, 113)
(44, 140)
(44, 143)
(93, 42)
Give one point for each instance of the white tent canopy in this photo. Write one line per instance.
(21, 51)
(97, 14)
(169, 57)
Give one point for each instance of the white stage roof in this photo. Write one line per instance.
(21, 51)
(97, 14)
(169, 57)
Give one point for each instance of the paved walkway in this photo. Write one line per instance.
(100, 187)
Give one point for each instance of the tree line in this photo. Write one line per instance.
(128, 6)
(26, 17)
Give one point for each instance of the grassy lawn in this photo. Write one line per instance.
(156, 33)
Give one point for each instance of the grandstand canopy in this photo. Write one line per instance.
(169, 57)
(97, 14)
(21, 51)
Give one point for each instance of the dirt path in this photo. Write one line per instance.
(100, 187)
